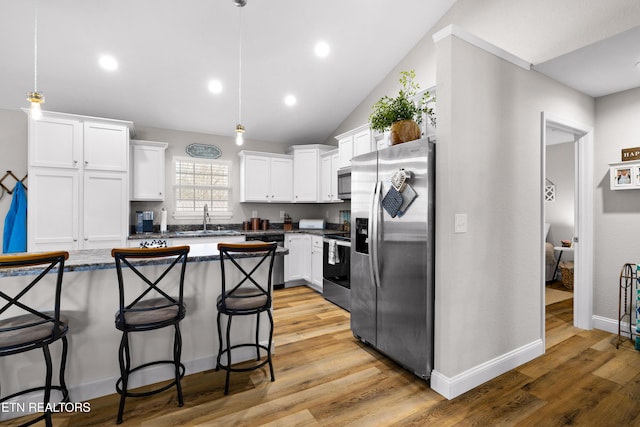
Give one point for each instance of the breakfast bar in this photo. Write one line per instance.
(89, 303)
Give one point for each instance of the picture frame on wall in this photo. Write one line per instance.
(623, 176)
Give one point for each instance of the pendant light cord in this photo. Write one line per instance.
(240, 71)
(35, 49)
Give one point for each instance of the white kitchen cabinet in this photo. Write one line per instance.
(297, 264)
(147, 170)
(211, 241)
(78, 182)
(345, 148)
(306, 172)
(329, 165)
(362, 142)
(53, 209)
(103, 215)
(354, 143)
(265, 177)
(316, 263)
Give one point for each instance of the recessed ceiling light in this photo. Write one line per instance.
(215, 86)
(290, 100)
(108, 62)
(322, 49)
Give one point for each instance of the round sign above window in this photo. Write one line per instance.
(204, 151)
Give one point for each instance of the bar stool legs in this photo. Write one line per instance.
(124, 358)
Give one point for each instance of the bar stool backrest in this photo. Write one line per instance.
(129, 300)
(28, 318)
(247, 287)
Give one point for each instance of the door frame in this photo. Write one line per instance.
(583, 211)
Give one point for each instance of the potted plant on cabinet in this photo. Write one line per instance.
(402, 114)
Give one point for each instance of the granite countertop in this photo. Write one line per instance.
(270, 232)
(101, 259)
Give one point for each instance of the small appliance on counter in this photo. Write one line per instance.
(311, 224)
(147, 221)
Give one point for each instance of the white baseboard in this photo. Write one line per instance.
(471, 378)
(608, 325)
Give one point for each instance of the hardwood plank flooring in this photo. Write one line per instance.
(325, 377)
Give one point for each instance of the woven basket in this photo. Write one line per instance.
(566, 269)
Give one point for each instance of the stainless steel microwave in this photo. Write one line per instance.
(344, 183)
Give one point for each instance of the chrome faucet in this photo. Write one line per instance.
(205, 217)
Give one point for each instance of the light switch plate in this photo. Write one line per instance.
(460, 225)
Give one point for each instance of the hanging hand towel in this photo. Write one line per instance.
(333, 257)
(15, 224)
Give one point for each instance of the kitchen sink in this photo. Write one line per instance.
(208, 233)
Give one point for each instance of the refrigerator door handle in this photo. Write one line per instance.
(374, 219)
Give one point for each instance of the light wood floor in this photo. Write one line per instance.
(324, 377)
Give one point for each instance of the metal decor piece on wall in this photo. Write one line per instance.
(204, 151)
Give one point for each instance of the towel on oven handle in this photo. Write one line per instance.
(333, 256)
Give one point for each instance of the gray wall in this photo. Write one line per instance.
(489, 166)
(617, 213)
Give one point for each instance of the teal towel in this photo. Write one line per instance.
(15, 224)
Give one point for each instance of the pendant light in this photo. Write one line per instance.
(239, 127)
(35, 98)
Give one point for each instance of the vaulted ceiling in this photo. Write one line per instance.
(168, 51)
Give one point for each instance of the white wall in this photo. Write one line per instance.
(617, 213)
(488, 166)
(560, 165)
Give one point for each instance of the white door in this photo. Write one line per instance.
(281, 180)
(55, 143)
(582, 214)
(53, 205)
(305, 175)
(256, 179)
(106, 147)
(147, 173)
(326, 188)
(105, 210)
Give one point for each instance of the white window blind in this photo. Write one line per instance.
(198, 182)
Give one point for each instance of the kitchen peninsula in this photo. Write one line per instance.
(89, 302)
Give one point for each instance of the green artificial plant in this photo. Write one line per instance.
(389, 110)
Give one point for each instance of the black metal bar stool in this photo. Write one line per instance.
(247, 297)
(34, 328)
(151, 309)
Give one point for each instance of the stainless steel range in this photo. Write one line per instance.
(336, 265)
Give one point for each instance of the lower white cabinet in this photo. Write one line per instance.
(297, 264)
(303, 264)
(316, 263)
(105, 216)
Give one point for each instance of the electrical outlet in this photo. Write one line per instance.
(254, 214)
(281, 214)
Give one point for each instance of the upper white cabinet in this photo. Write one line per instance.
(329, 165)
(354, 143)
(78, 182)
(266, 177)
(147, 173)
(66, 141)
(306, 172)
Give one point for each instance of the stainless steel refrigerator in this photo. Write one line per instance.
(392, 252)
